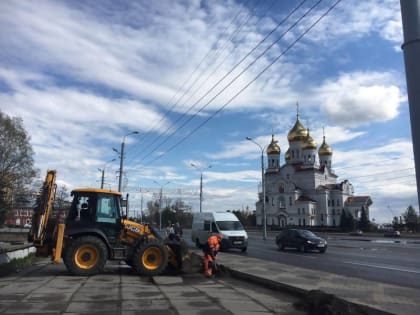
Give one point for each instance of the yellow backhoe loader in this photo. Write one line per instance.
(95, 230)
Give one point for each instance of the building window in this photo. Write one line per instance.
(333, 211)
(338, 202)
(303, 210)
(329, 202)
(298, 211)
(299, 222)
(287, 176)
(293, 154)
(290, 201)
(322, 217)
(272, 201)
(333, 222)
(304, 222)
(332, 202)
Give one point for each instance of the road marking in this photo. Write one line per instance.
(383, 267)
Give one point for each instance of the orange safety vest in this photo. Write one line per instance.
(213, 242)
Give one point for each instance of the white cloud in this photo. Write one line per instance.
(360, 98)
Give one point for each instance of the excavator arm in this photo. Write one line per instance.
(43, 235)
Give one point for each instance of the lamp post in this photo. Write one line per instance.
(263, 188)
(201, 183)
(103, 172)
(121, 153)
(160, 203)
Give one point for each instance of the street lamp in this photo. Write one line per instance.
(263, 188)
(121, 153)
(201, 183)
(103, 172)
(160, 203)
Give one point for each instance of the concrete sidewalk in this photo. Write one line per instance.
(380, 296)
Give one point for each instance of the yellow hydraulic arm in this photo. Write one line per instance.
(43, 209)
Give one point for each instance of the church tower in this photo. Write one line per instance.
(325, 153)
(309, 150)
(296, 136)
(273, 155)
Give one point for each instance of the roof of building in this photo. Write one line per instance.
(305, 199)
(273, 147)
(353, 200)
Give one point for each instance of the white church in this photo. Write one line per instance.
(304, 191)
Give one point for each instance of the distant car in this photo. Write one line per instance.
(27, 226)
(392, 234)
(356, 233)
(302, 240)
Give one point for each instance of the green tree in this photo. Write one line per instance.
(411, 218)
(16, 164)
(364, 223)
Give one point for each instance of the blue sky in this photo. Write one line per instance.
(82, 75)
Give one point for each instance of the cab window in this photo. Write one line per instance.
(107, 210)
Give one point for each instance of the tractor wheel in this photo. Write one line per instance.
(86, 256)
(151, 258)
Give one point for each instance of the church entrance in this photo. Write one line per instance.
(282, 221)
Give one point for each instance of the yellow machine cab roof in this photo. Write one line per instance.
(97, 190)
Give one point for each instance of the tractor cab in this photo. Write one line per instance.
(95, 209)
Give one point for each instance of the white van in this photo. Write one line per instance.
(225, 223)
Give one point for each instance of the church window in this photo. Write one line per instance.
(303, 210)
(304, 222)
(299, 222)
(338, 202)
(293, 154)
(332, 202)
(290, 201)
(322, 217)
(282, 203)
(333, 222)
(287, 176)
(329, 202)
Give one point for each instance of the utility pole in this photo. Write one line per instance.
(103, 172)
(201, 183)
(410, 13)
(122, 158)
(160, 203)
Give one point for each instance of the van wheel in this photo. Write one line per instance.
(243, 249)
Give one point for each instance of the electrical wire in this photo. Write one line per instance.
(249, 83)
(240, 74)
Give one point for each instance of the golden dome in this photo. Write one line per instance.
(309, 143)
(325, 149)
(298, 132)
(273, 147)
(287, 155)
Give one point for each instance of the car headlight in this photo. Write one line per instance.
(310, 242)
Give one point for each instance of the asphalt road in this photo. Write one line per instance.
(369, 258)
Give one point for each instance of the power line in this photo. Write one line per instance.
(206, 56)
(240, 74)
(215, 69)
(252, 81)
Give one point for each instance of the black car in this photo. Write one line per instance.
(302, 240)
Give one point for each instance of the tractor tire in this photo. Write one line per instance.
(151, 258)
(86, 256)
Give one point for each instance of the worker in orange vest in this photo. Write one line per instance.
(210, 250)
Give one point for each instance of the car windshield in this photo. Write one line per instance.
(230, 225)
(307, 233)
